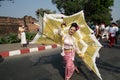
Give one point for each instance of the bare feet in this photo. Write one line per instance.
(67, 79)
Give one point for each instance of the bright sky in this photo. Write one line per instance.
(116, 10)
(20, 8)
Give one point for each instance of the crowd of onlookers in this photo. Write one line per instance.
(109, 33)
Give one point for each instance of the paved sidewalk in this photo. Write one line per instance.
(16, 49)
(15, 46)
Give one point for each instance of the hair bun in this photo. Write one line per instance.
(75, 25)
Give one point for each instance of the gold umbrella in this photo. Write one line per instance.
(87, 42)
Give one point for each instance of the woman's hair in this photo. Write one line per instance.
(75, 25)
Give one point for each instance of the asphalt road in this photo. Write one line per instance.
(48, 65)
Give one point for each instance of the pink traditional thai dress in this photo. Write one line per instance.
(69, 49)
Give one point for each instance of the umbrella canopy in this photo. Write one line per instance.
(87, 42)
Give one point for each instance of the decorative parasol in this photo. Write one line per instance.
(87, 42)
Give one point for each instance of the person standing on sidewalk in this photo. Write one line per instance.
(23, 36)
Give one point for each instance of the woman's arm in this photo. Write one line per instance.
(77, 50)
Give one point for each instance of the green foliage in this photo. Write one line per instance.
(30, 36)
(13, 38)
(69, 7)
(3, 40)
(98, 11)
(95, 10)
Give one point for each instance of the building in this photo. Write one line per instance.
(10, 25)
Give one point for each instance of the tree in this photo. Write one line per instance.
(95, 10)
(69, 7)
(41, 11)
(99, 10)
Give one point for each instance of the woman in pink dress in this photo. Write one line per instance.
(70, 47)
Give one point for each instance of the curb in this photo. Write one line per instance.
(26, 50)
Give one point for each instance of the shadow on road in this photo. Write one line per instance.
(107, 66)
(1, 59)
(86, 72)
(55, 60)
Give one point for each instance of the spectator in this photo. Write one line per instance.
(97, 31)
(23, 36)
(112, 29)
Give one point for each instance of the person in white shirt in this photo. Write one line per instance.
(23, 36)
(102, 30)
(97, 31)
(112, 29)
